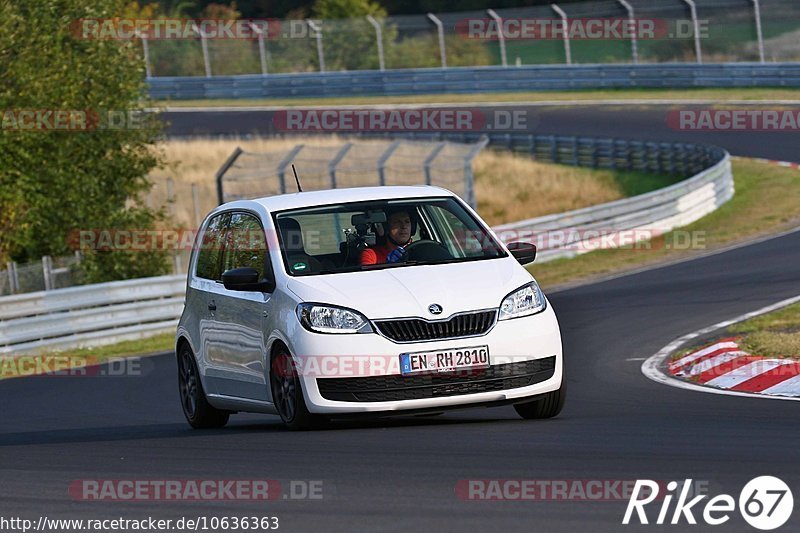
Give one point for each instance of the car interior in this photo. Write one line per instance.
(366, 228)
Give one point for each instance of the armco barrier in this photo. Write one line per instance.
(112, 312)
(90, 315)
(477, 79)
(575, 232)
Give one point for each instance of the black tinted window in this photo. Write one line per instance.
(208, 259)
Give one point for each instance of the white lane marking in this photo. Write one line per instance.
(694, 356)
(652, 367)
(715, 361)
(745, 373)
(789, 387)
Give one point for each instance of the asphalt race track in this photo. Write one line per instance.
(400, 474)
(635, 121)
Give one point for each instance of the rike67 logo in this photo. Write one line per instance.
(765, 503)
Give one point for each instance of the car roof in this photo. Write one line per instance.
(335, 196)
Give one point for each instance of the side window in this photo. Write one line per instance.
(461, 240)
(208, 258)
(245, 244)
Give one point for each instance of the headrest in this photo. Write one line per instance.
(291, 235)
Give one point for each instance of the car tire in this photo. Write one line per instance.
(198, 412)
(287, 394)
(548, 406)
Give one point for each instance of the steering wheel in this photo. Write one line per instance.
(427, 250)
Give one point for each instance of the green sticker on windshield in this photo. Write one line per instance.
(299, 266)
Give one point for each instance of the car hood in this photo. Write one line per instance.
(408, 291)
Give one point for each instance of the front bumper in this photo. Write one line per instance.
(530, 344)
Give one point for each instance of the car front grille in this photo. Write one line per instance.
(418, 329)
(398, 387)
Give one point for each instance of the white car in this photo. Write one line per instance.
(382, 300)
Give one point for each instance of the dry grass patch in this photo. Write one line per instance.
(511, 187)
(508, 187)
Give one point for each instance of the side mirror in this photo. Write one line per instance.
(244, 279)
(523, 252)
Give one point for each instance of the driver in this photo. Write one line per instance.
(397, 235)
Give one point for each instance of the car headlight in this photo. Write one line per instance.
(525, 301)
(331, 319)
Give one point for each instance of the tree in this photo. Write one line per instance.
(53, 181)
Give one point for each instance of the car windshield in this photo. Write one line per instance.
(381, 234)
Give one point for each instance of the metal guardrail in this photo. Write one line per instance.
(643, 216)
(112, 312)
(90, 315)
(477, 79)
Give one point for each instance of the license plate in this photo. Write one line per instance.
(448, 360)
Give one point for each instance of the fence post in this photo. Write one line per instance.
(612, 154)
(146, 51)
(469, 179)
(285, 162)
(759, 34)
(196, 205)
(634, 28)
(565, 22)
(629, 153)
(262, 49)
(440, 29)
(335, 161)
(575, 159)
(171, 196)
(378, 40)
(317, 29)
(204, 46)
(221, 173)
(47, 267)
(429, 161)
(693, 10)
(501, 38)
(13, 277)
(383, 159)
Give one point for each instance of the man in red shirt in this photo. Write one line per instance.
(398, 235)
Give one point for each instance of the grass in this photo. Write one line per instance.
(775, 334)
(76, 358)
(767, 200)
(534, 188)
(538, 189)
(719, 95)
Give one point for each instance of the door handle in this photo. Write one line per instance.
(212, 306)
